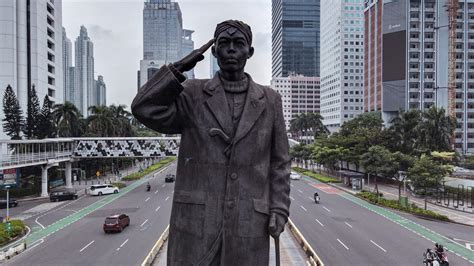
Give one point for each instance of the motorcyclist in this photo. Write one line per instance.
(148, 186)
(316, 197)
(440, 252)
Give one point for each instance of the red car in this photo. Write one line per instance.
(116, 223)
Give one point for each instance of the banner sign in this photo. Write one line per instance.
(9, 177)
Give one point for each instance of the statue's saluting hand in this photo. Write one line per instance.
(190, 61)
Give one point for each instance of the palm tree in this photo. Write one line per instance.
(436, 130)
(67, 117)
(101, 122)
(308, 122)
(404, 130)
(122, 120)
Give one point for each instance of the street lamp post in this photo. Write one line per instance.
(8, 203)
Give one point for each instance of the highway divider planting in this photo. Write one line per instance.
(18, 229)
(319, 177)
(154, 167)
(394, 204)
(120, 185)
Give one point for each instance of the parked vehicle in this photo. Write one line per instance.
(12, 203)
(62, 195)
(170, 178)
(116, 223)
(99, 190)
(295, 176)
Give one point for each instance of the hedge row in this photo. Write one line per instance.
(156, 166)
(120, 185)
(18, 229)
(394, 204)
(316, 176)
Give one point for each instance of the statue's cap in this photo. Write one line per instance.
(239, 25)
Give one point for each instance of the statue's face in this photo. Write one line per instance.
(232, 50)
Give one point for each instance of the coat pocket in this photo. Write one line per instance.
(257, 226)
(189, 212)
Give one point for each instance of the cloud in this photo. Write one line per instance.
(97, 32)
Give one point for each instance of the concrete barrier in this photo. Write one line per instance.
(313, 258)
(156, 248)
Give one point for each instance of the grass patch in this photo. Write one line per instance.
(120, 185)
(156, 166)
(18, 229)
(324, 179)
(413, 209)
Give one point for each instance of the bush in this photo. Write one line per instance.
(119, 184)
(316, 176)
(413, 209)
(18, 229)
(156, 166)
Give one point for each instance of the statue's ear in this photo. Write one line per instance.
(213, 51)
(251, 51)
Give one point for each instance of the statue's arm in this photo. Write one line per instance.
(162, 104)
(279, 165)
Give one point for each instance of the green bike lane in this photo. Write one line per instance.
(408, 224)
(36, 236)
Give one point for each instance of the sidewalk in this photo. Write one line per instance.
(391, 192)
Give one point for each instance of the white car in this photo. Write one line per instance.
(99, 190)
(295, 176)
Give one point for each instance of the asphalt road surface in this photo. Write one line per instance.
(71, 233)
(344, 230)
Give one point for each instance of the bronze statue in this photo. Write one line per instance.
(232, 184)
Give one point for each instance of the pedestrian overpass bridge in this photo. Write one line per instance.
(48, 153)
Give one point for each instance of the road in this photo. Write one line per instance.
(71, 233)
(344, 230)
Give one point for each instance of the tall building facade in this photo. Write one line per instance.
(68, 91)
(31, 50)
(342, 61)
(100, 90)
(214, 66)
(295, 37)
(164, 39)
(299, 95)
(415, 42)
(84, 72)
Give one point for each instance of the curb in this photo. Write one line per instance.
(156, 248)
(14, 248)
(314, 259)
(32, 199)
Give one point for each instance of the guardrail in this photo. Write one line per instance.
(313, 258)
(156, 248)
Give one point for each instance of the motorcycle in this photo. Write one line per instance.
(316, 199)
(433, 258)
(148, 187)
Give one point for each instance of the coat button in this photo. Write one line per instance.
(233, 176)
(230, 204)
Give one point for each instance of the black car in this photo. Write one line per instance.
(62, 195)
(12, 202)
(169, 178)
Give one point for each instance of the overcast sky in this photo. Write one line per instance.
(116, 29)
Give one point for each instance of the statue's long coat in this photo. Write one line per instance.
(224, 191)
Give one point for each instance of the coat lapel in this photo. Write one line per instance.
(253, 108)
(217, 104)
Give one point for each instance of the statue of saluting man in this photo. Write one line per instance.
(232, 184)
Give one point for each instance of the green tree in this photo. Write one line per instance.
(13, 121)
(46, 125)
(308, 124)
(378, 161)
(426, 173)
(122, 120)
(68, 120)
(101, 122)
(404, 131)
(30, 129)
(435, 131)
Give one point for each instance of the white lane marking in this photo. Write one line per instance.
(40, 241)
(304, 209)
(319, 222)
(86, 246)
(157, 208)
(36, 221)
(342, 244)
(163, 185)
(292, 198)
(167, 198)
(378, 246)
(144, 223)
(326, 209)
(156, 192)
(348, 224)
(125, 242)
(299, 190)
(147, 199)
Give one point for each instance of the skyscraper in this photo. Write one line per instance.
(214, 66)
(295, 37)
(67, 64)
(31, 50)
(342, 61)
(84, 68)
(164, 40)
(100, 91)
